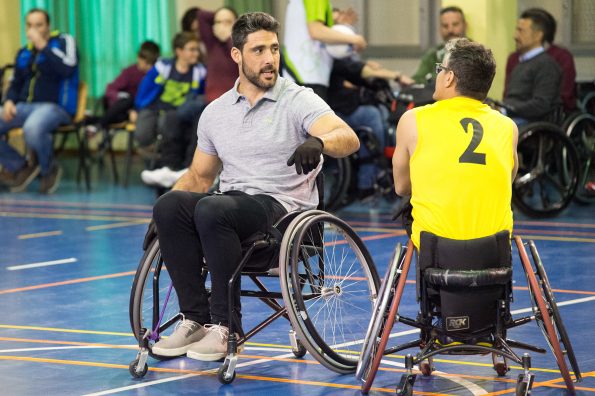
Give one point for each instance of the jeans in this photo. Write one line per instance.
(371, 117)
(193, 227)
(38, 121)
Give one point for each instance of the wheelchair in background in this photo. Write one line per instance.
(450, 274)
(327, 281)
(340, 174)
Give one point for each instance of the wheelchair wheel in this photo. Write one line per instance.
(548, 170)
(548, 294)
(544, 319)
(337, 177)
(329, 283)
(369, 347)
(396, 291)
(153, 304)
(581, 131)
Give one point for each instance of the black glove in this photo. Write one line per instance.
(404, 213)
(150, 235)
(307, 156)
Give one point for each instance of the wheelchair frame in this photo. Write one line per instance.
(308, 276)
(545, 313)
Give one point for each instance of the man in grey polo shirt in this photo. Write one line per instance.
(266, 135)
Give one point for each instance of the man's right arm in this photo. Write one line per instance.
(406, 142)
(319, 31)
(201, 173)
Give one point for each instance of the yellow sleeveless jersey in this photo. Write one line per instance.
(461, 170)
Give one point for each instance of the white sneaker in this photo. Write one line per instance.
(164, 177)
(153, 177)
(213, 346)
(187, 332)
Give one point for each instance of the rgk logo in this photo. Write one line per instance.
(457, 323)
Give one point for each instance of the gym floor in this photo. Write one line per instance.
(68, 261)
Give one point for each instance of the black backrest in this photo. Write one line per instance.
(488, 252)
(463, 281)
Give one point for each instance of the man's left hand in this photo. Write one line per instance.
(307, 156)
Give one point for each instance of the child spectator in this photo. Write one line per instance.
(120, 93)
(170, 101)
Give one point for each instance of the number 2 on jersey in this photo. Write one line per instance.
(470, 156)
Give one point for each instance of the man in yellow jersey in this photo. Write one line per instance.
(457, 157)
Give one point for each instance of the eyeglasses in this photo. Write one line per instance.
(440, 67)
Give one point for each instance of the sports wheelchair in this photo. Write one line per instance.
(450, 274)
(328, 284)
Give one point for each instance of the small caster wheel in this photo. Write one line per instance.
(132, 369)
(223, 377)
(405, 387)
(426, 368)
(521, 386)
(501, 368)
(300, 352)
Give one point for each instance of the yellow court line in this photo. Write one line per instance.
(198, 373)
(39, 235)
(68, 217)
(551, 383)
(116, 225)
(62, 330)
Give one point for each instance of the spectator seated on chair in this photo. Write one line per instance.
(533, 88)
(269, 167)
(170, 101)
(41, 97)
(120, 93)
(560, 54)
(348, 94)
(349, 78)
(457, 157)
(452, 25)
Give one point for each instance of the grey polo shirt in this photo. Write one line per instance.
(254, 143)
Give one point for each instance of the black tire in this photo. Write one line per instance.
(132, 369)
(222, 377)
(396, 290)
(146, 306)
(337, 178)
(581, 131)
(379, 314)
(548, 170)
(319, 253)
(542, 315)
(548, 294)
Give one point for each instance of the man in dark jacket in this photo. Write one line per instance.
(42, 96)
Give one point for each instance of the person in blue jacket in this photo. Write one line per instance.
(42, 96)
(170, 100)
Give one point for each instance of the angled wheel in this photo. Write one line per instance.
(153, 302)
(548, 170)
(548, 294)
(329, 283)
(389, 321)
(581, 131)
(379, 313)
(543, 317)
(337, 177)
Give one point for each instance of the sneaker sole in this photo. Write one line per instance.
(53, 188)
(171, 352)
(27, 181)
(210, 357)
